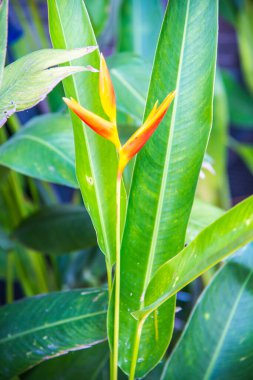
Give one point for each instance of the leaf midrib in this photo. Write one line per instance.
(166, 166)
(51, 325)
(45, 143)
(225, 329)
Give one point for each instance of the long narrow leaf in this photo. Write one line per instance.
(227, 234)
(96, 159)
(167, 170)
(217, 341)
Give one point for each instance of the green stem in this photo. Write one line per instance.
(117, 283)
(136, 348)
(109, 277)
(34, 192)
(14, 124)
(109, 280)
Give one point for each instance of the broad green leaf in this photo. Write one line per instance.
(96, 159)
(245, 41)
(217, 341)
(84, 364)
(43, 327)
(240, 102)
(90, 364)
(202, 214)
(214, 188)
(166, 171)
(130, 76)
(139, 27)
(28, 80)
(49, 140)
(3, 32)
(227, 234)
(57, 229)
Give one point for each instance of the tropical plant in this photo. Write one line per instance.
(143, 235)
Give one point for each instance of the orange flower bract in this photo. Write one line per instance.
(108, 128)
(141, 136)
(101, 126)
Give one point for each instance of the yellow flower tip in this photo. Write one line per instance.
(66, 100)
(153, 111)
(106, 91)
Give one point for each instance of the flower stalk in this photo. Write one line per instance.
(117, 281)
(108, 129)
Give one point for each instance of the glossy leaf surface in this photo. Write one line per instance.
(167, 170)
(49, 140)
(96, 159)
(57, 230)
(227, 234)
(42, 327)
(3, 32)
(217, 341)
(28, 80)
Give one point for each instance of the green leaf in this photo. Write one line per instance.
(43, 327)
(227, 234)
(166, 171)
(57, 229)
(3, 32)
(96, 159)
(202, 214)
(49, 140)
(88, 364)
(28, 80)
(240, 102)
(140, 25)
(217, 341)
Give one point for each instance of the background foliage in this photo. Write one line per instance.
(50, 243)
